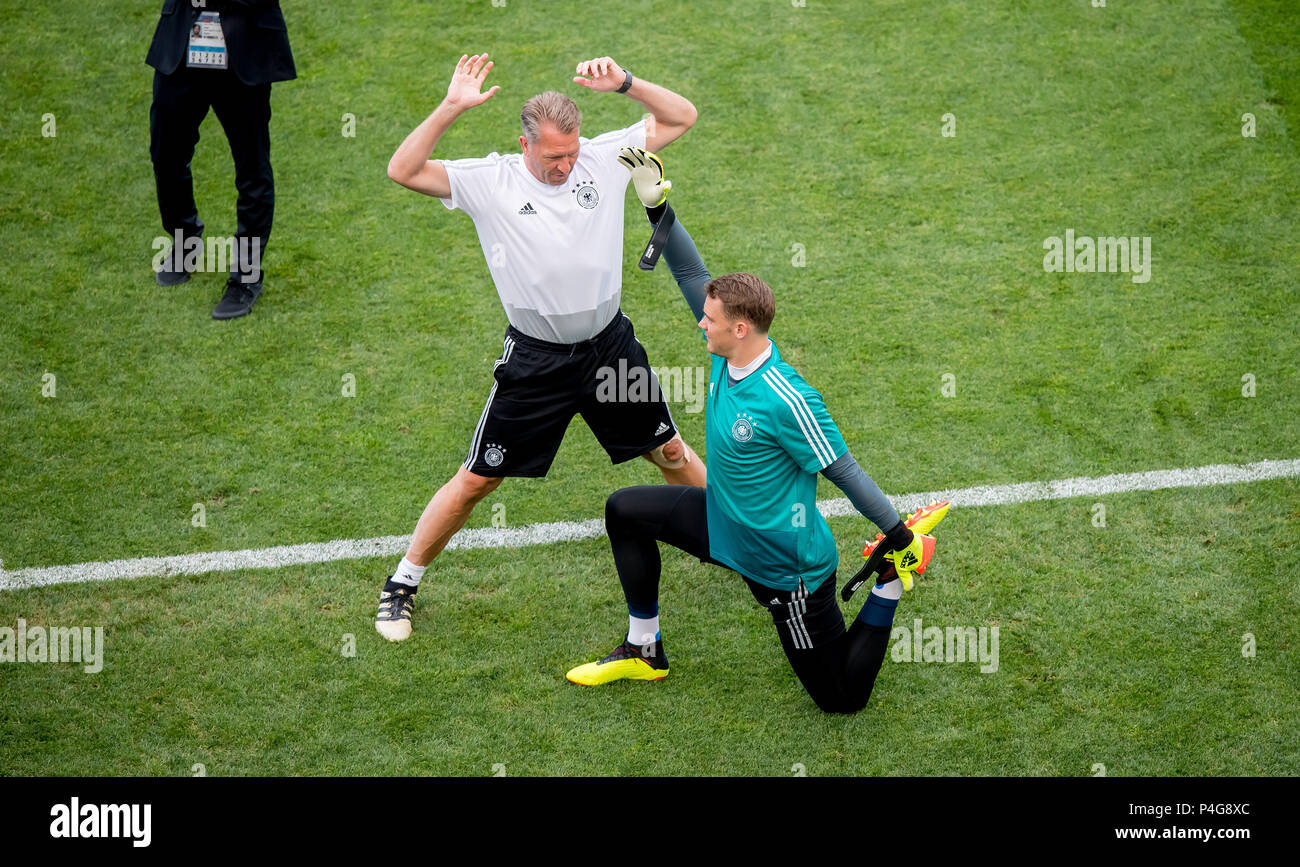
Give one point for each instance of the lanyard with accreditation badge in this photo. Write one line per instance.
(207, 43)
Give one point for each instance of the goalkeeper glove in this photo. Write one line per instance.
(647, 175)
(912, 559)
(923, 520)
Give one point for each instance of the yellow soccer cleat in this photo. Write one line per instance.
(923, 520)
(926, 518)
(627, 662)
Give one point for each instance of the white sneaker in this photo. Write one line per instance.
(394, 619)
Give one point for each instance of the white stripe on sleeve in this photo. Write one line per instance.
(803, 402)
(825, 456)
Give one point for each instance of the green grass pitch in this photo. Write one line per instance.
(899, 255)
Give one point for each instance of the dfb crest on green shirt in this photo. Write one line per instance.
(742, 429)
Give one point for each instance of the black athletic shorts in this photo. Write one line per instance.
(540, 386)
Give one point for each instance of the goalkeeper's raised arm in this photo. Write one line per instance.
(679, 249)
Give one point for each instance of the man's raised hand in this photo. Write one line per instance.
(465, 90)
(604, 74)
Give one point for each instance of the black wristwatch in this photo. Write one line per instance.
(627, 82)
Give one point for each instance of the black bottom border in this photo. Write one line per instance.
(443, 815)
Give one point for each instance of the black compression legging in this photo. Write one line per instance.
(837, 667)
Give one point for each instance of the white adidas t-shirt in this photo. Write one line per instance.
(555, 252)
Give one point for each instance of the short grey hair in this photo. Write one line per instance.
(553, 107)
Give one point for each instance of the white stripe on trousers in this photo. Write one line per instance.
(508, 346)
(796, 609)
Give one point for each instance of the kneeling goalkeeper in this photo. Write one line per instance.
(768, 435)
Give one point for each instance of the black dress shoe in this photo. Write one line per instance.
(173, 269)
(238, 300)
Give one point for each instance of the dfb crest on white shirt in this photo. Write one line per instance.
(586, 194)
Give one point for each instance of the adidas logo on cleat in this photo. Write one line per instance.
(527, 208)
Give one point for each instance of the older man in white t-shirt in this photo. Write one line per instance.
(550, 222)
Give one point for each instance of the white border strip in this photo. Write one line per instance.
(1081, 486)
(567, 531)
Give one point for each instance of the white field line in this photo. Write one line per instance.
(565, 531)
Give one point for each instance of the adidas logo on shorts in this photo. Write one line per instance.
(662, 427)
(527, 208)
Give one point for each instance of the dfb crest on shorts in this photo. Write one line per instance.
(494, 455)
(586, 194)
(742, 429)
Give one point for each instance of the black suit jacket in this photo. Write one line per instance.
(257, 41)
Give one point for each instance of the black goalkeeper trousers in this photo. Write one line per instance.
(838, 667)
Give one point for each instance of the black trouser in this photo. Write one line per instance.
(180, 102)
(837, 667)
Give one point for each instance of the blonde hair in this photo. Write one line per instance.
(553, 107)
